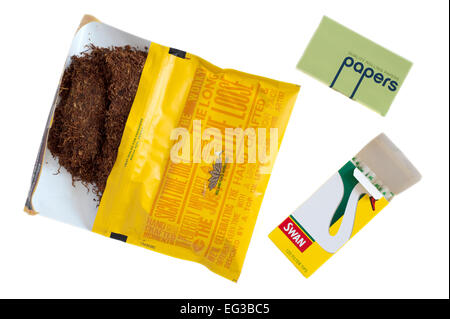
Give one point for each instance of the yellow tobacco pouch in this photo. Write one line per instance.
(199, 210)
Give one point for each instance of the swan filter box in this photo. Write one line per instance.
(344, 204)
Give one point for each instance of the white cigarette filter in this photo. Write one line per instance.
(393, 170)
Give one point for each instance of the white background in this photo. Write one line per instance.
(403, 252)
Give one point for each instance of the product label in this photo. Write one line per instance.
(295, 234)
(355, 66)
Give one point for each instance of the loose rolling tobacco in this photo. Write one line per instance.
(198, 211)
(96, 95)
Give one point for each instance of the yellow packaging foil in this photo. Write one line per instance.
(156, 203)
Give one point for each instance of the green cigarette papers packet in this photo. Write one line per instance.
(354, 65)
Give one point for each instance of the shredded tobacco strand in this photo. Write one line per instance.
(96, 95)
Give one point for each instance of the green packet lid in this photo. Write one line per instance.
(355, 66)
